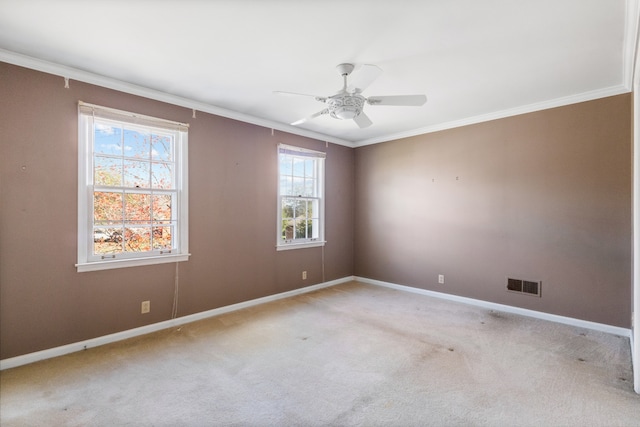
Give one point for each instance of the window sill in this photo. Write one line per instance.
(122, 263)
(289, 246)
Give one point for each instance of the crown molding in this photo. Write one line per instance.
(553, 103)
(110, 83)
(629, 59)
(630, 44)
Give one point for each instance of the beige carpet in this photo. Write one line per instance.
(349, 355)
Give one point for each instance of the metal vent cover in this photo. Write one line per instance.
(527, 287)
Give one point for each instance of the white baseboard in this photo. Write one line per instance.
(615, 330)
(119, 336)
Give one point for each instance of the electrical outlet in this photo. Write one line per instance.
(304, 275)
(146, 307)
(441, 278)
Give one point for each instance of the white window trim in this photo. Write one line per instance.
(289, 246)
(319, 241)
(85, 193)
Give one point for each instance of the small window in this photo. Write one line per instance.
(300, 197)
(132, 190)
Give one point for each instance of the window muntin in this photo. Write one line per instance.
(132, 189)
(300, 197)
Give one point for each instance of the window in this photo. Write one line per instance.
(300, 197)
(132, 189)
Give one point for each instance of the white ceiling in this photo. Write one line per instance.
(474, 59)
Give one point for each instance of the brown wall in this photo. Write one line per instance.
(45, 303)
(541, 196)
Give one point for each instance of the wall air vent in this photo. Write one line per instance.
(526, 287)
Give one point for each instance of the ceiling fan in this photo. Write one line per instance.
(348, 102)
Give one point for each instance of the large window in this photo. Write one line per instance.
(132, 190)
(300, 197)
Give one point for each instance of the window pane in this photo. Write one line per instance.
(310, 208)
(314, 227)
(287, 229)
(309, 229)
(309, 169)
(162, 237)
(287, 208)
(162, 175)
(137, 207)
(137, 239)
(286, 167)
(298, 186)
(300, 209)
(298, 167)
(301, 229)
(137, 144)
(162, 207)
(107, 240)
(136, 174)
(286, 185)
(309, 187)
(107, 171)
(107, 207)
(161, 147)
(107, 139)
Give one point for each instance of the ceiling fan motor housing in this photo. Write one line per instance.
(345, 106)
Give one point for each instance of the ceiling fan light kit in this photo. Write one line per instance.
(348, 103)
(345, 106)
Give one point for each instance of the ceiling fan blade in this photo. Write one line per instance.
(362, 120)
(399, 100)
(362, 77)
(311, 117)
(319, 98)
